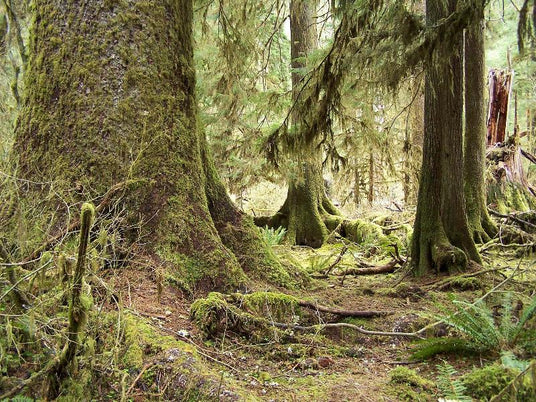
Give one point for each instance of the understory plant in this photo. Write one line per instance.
(272, 236)
(481, 327)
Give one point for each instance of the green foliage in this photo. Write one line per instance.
(478, 327)
(273, 237)
(451, 388)
(410, 386)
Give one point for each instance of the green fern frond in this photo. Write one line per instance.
(431, 347)
(451, 387)
(272, 236)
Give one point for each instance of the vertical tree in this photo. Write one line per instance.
(441, 238)
(306, 205)
(110, 104)
(480, 224)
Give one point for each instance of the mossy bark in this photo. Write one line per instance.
(441, 238)
(306, 207)
(110, 98)
(480, 223)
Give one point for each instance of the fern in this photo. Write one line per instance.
(478, 328)
(430, 347)
(451, 387)
(272, 236)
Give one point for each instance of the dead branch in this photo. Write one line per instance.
(528, 155)
(383, 269)
(337, 260)
(512, 217)
(343, 313)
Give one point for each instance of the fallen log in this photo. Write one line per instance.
(383, 269)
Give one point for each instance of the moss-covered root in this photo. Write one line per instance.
(77, 308)
(438, 253)
(250, 315)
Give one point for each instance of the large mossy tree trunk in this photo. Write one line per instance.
(441, 239)
(307, 207)
(110, 99)
(480, 223)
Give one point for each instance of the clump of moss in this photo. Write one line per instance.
(486, 382)
(251, 315)
(410, 386)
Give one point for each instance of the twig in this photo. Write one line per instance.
(51, 242)
(337, 260)
(143, 370)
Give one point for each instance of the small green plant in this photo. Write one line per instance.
(480, 328)
(319, 263)
(451, 388)
(272, 236)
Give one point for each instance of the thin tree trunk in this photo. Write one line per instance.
(307, 206)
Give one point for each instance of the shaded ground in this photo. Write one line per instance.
(336, 364)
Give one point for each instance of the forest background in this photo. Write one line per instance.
(321, 140)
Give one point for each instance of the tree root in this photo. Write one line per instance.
(257, 314)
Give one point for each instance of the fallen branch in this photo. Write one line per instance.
(384, 269)
(343, 313)
(361, 330)
(512, 217)
(337, 260)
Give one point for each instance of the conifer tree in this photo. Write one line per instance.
(110, 104)
(441, 239)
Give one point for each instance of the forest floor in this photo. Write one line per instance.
(142, 340)
(333, 364)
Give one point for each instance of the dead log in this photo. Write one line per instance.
(383, 269)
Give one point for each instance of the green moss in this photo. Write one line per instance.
(488, 381)
(141, 341)
(410, 386)
(404, 375)
(277, 306)
(250, 315)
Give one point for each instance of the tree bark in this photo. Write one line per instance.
(500, 83)
(306, 206)
(480, 224)
(441, 239)
(110, 98)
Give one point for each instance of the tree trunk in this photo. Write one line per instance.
(307, 206)
(110, 99)
(441, 239)
(480, 224)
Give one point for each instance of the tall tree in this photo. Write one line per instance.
(480, 224)
(306, 206)
(441, 238)
(110, 104)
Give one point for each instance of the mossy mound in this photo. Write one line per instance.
(484, 383)
(408, 385)
(252, 315)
